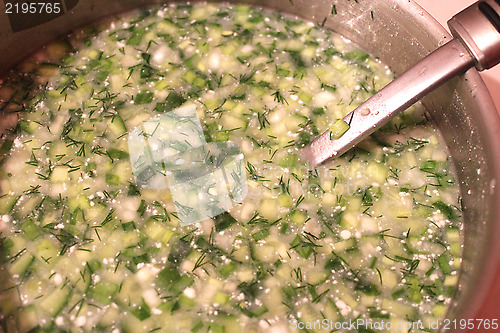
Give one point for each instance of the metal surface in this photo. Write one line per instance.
(477, 43)
(478, 27)
(400, 33)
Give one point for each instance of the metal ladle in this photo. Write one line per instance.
(476, 42)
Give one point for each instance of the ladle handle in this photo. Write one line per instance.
(478, 28)
(476, 43)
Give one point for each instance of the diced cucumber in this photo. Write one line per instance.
(30, 318)
(268, 209)
(444, 263)
(228, 269)
(439, 310)
(136, 36)
(112, 179)
(80, 201)
(260, 235)
(157, 232)
(221, 298)
(349, 220)
(338, 129)
(167, 26)
(445, 209)
(223, 221)
(398, 309)
(111, 316)
(116, 125)
(7, 203)
(289, 161)
(378, 172)
(285, 200)
(55, 301)
(22, 263)
(298, 217)
(303, 249)
(216, 328)
(142, 311)
(451, 281)
(199, 82)
(29, 126)
(103, 291)
(189, 77)
(331, 311)
(173, 281)
(305, 97)
(265, 253)
(30, 229)
(309, 52)
(117, 154)
(59, 174)
(48, 69)
(231, 324)
(45, 249)
(317, 277)
(144, 97)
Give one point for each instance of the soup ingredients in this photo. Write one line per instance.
(375, 235)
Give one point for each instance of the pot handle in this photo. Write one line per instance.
(478, 28)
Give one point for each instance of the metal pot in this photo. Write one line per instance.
(400, 33)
